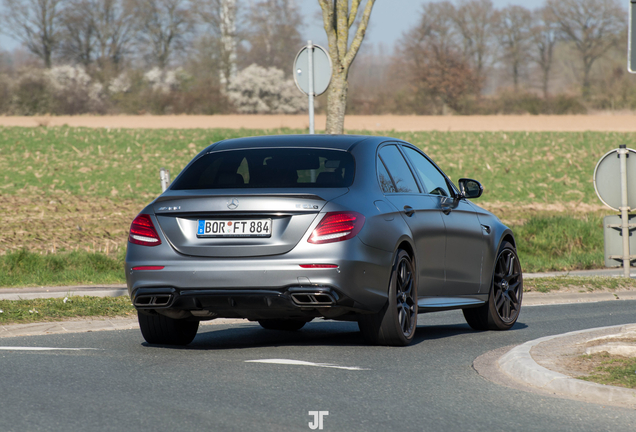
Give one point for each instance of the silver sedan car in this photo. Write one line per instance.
(285, 229)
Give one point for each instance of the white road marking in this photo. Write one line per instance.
(304, 363)
(16, 348)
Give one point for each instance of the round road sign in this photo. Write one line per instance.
(607, 179)
(322, 70)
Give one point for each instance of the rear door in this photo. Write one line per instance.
(465, 242)
(418, 210)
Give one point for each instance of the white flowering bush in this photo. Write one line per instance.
(120, 84)
(165, 81)
(74, 90)
(67, 76)
(259, 90)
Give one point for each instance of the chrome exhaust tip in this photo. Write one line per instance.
(158, 300)
(313, 298)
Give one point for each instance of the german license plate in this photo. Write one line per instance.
(234, 228)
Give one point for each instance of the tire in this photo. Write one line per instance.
(282, 324)
(506, 292)
(395, 324)
(161, 330)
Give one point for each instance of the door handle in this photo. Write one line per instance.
(408, 210)
(485, 228)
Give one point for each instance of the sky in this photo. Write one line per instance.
(389, 20)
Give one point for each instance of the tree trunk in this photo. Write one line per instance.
(587, 67)
(338, 19)
(337, 103)
(47, 57)
(546, 78)
(228, 42)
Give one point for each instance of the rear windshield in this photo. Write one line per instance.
(269, 168)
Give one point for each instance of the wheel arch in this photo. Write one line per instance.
(406, 244)
(508, 237)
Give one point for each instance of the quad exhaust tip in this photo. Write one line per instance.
(153, 300)
(319, 298)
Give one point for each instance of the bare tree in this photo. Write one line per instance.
(545, 34)
(220, 18)
(593, 26)
(99, 31)
(35, 23)
(513, 32)
(432, 56)
(338, 20)
(475, 21)
(164, 27)
(115, 29)
(228, 41)
(436, 30)
(78, 37)
(273, 33)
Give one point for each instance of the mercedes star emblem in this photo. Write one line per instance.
(233, 203)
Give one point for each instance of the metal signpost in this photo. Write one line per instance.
(312, 74)
(631, 43)
(164, 176)
(611, 177)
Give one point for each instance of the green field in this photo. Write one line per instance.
(77, 189)
(521, 168)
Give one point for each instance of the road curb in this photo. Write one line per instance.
(534, 298)
(519, 365)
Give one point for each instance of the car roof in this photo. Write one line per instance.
(336, 142)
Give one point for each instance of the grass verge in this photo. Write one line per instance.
(557, 243)
(57, 309)
(577, 284)
(28, 269)
(612, 370)
(24, 268)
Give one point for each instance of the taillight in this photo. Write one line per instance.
(143, 232)
(337, 226)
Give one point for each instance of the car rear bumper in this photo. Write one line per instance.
(263, 287)
(254, 304)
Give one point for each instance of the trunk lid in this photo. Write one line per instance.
(291, 213)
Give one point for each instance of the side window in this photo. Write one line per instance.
(398, 169)
(386, 184)
(434, 181)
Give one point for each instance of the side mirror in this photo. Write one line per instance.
(470, 188)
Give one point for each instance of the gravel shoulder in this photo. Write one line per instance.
(530, 123)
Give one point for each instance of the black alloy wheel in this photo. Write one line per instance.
(506, 292)
(507, 286)
(406, 304)
(396, 323)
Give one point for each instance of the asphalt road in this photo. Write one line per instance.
(117, 382)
